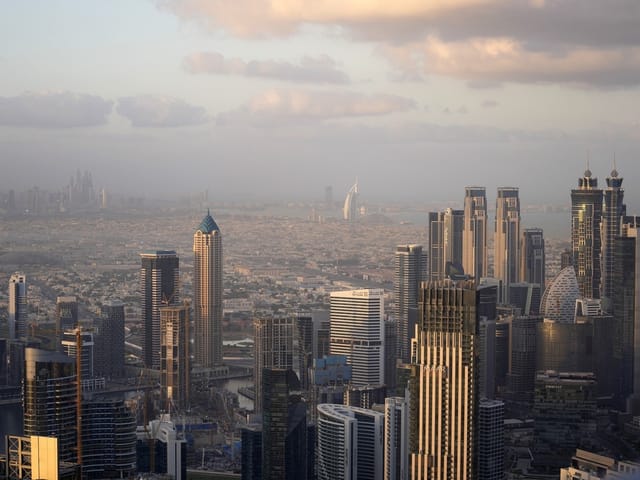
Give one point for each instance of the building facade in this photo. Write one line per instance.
(613, 212)
(410, 266)
(507, 239)
(532, 264)
(474, 233)
(175, 356)
(17, 308)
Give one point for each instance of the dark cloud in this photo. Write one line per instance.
(322, 69)
(54, 110)
(158, 111)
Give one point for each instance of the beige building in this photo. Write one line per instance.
(443, 383)
(207, 293)
(474, 233)
(175, 371)
(507, 240)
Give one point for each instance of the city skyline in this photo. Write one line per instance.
(311, 96)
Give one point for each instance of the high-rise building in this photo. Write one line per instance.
(491, 440)
(175, 368)
(586, 216)
(435, 253)
(87, 350)
(251, 451)
(284, 426)
(304, 337)
(365, 396)
(160, 286)
(522, 362)
(109, 340)
(487, 357)
(396, 438)
(559, 299)
(357, 332)
(613, 211)
(532, 264)
(445, 241)
(410, 268)
(273, 343)
(66, 316)
(49, 399)
(350, 443)
(474, 233)
(17, 308)
(350, 208)
(444, 375)
(390, 353)
(207, 293)
(507, 240)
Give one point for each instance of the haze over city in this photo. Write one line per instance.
(276, 100)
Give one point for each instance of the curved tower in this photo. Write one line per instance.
(350, 209)
(586, 215)
(207, 292)
(559, 299)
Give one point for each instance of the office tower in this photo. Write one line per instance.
(66, 316)
(357, 332)
(251, 452)
(591, 466)
(87, 348)
(532, 264)
(435, 253)
(487, 358)
(159, 285)
(396, 438)
(304, 338)
(444, 379)
(175, 368)
(160, 449)
(109, 340)
(566, 259)
(503, 328)
(474, 233)
(410, 269)
(445, 242)
(526, 297)
(284, 426)
(507, 240)
(586, 216)
(522, 362)
(613, 211)
(390, 353)
(564, 413)
(350, 208)
(321, 333)
(350, 443)
(207, 293)
(491, 440)
(365, 396)
(17, 308)
(50, 399)
(273, 344)
(329, 378)
(559, 299)
(108, 439)
(453, 228)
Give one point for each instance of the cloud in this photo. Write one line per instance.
(322, 69)
(495, 60)
(284, 106)
(159, 111)
(490, 104)
(54, 110)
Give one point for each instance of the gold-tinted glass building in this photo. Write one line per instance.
(443, 382)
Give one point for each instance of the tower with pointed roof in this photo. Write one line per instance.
(613, 209)
(207, 292)
(586, 216)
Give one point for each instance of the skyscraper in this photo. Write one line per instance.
(350, 208)
(357, 332)
(507, 239)
(586, 216)
(445, 241)
(396, 438)
(159, 285)
(17, 308)
(109, 339)
(532, 264)
(409, 272)
(66, 316)
(613, 210)
(445, 374)
(474, 233)
(435, 255)
(175, 368)
(350, 443)
(207, 293)
(491, 440)
(273, 344)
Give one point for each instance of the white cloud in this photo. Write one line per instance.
(322, 69)
(54, 110)
(159, 111)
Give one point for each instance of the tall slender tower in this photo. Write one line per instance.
(357, 331)
(474, 233)
(586, 216)
(17, 306)
(507, 239)
(444, 378)
(532, 259)
(613, 210)
(445, 241)
(207, 292)
(175, 370)
(435, 246)
(409, 272)
(350, 208)
(159, 285)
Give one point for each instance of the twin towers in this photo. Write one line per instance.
(160, 288)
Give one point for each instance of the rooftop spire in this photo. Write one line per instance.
(208, 224)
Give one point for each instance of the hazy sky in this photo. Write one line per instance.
(251, 98)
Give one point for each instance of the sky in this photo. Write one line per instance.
(255, 99)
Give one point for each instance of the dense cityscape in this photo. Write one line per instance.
(329, 338)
